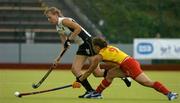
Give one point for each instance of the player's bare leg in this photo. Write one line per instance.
(144, 80)
(85, 83)
(76, 70)
(98, 72)
(111, 74)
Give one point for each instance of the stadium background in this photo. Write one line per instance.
(28, 41)
(26, 36)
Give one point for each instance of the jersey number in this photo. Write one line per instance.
(113, 50)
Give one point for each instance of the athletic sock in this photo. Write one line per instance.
(160, 88)
(85, 84)
(104, 84)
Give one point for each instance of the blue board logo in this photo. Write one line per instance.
(145, 48)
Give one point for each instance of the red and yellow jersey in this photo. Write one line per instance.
(112, 54)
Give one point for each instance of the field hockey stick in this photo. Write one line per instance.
(74, 85)
(49, 71)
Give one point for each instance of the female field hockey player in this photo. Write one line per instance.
(121, 63)
(69, 31)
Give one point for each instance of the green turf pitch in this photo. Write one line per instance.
(21, 80)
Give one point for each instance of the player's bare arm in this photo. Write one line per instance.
(96, 59)
(63, 39)
(72, 25)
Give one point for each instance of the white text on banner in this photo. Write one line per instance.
(157, 48)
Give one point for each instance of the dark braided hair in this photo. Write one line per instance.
(100, 42)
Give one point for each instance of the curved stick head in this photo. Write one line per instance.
(34, 86)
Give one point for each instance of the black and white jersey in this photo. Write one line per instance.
(80, 39)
